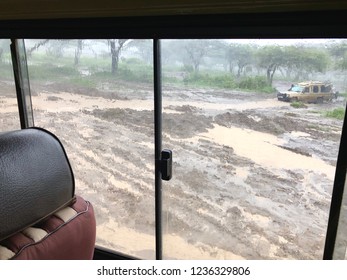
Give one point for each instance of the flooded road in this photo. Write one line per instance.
(252, 176)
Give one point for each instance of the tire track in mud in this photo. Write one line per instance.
(122, 187)
(236, 216)
(279, 243)
(218, 199)
(200, 198)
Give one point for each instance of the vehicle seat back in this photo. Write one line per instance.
(36, 184)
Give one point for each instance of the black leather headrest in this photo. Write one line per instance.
(36, 178)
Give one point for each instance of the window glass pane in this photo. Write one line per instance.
(254, 159)
(97, 96)
(9, 119)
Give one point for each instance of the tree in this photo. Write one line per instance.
(36, 46)
(314, 60)
(304, 60)
(78, 52)
(301, 60)
(270, 58)
(339, 52)
(196, 51)
(116, 46)
(144, 49)
(241, 55)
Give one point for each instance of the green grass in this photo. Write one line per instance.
(131, 73)
(50, 72)
(6, 71)
(298, 104)
(83, 82)
(337, 113)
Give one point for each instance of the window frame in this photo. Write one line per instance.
(253, 26)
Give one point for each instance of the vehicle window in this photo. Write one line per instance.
(97, 96)
(315, 89)
(9, 119)
(253, 176)
(306, 90)
(296, 89)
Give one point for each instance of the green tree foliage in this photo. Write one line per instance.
(271, 58)
(339, 52)
(314, 60)
(240, 55)
(293, 59)
(303, 61)
(195, 51)
(144, 48)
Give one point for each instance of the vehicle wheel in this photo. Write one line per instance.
(320, 100)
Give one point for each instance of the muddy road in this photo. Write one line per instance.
(252, 176)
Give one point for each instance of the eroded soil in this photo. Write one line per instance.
(252, 177)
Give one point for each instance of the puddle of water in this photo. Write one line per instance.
(262, 148)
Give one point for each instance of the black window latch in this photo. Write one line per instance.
(166, 164)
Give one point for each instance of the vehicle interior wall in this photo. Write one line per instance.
(40, 9)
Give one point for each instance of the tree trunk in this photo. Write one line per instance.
(272, 75)
(196, 67)
(115, 53)
(114, 60)
(230, 68)
(240, 69)
(270, 72)
(268, 76)
(78, 52)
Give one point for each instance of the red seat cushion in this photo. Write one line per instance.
(68, 234)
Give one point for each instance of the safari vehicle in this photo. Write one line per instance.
(310, 92)
(234, 193)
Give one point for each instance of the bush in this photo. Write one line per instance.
(256, 83)
(225, 81)
(220, 81)
(141, 75)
